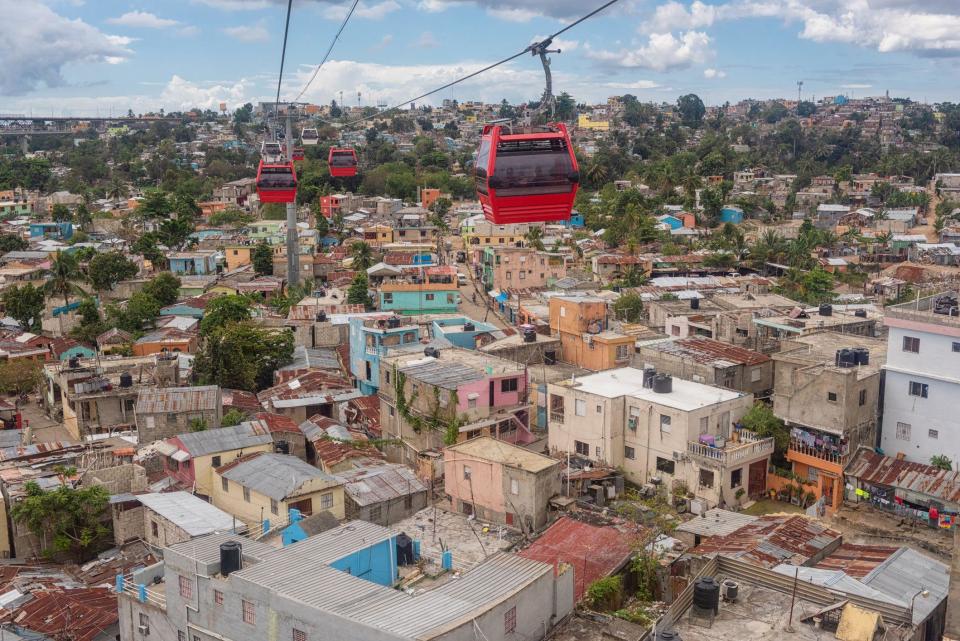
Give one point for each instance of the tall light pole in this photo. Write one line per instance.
(293, 256)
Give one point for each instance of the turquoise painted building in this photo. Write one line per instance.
(78, 351)
(424, 300)
(52, 231)
(461, 332)
(371, 338)
(731, 214)
(672, 221)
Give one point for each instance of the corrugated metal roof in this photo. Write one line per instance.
(446, 374)
(716, 522)
(908, 572)
(771, 540)
(224, 439)
(921, 478)
(835, 580)
(857, 560)
(206, 549)
(370, 485)
(274, 475)
(707, 350)
(193, 515)
(158, 400)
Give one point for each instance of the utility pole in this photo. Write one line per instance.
(293, 256)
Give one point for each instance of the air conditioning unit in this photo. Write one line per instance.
(632, 423)
(678, 456)
(144, 630)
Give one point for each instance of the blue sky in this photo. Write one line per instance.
(101, 56)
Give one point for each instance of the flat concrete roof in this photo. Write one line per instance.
(490, 449)
(628, 381)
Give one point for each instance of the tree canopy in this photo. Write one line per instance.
(71, 520)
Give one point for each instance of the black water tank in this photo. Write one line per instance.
(282, 447)
(826, 310)
(662, 383)
(845, 358)
(404, 549)
(861, 355)
(668, 635)
(126, 380)
(431, 351)
(74, 362)
(529, 335)
(860, 313)
(469, 327)
(393, 322)
(230, 557)
(694, 303)
(648, 374)
(706, 594)
(321, 317)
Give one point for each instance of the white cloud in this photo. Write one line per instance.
(236, 5)
(188, 31)
(143, 20)
(662, 52)
(711, 74)
(181, 94)
(856, 85)
(674, 15)
(512, 11)
(426, 41)
(249, 33)
(638, 85)
(376, 11)
(383, 44)
(36, 44)
(512, 14)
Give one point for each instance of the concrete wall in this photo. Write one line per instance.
(736, 377)
(392, 511)
(128, 523)
(259, 506)
(118, 479)
(168, 424)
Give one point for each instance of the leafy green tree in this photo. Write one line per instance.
(243, 356)
(262, 259)
(362, 255)
(323, 226)
(941, 462)
(359, 292)
(761, 420)
(25, 304)
(147, 245)
(9, 243)
(712, 206)
(163, 288)
(106, 270)
(141, 309)
(230, 218)
(155, 205)
(70, 519)
(65, 273)
(691, 110)
(222, 311)
(233, 417)
(91, 324)
(629, 308)
(20, 376)
(61, 214)
(82, 216)
(441, 206)
(174, 232)
(806, 108)
(534, 237)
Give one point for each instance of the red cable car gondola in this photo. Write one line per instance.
(298, 153)
(526, 177)
(277, 183)
(342, 162)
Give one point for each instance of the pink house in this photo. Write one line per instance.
(500, 482)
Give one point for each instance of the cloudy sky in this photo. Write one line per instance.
(83, 57)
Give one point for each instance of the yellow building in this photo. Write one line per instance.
(238, 256)
(584, 121)
(266, 486)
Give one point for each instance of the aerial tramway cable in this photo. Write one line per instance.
(329, 50)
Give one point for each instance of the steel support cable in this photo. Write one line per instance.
(283, 58)
(533, 47)
(329, 51)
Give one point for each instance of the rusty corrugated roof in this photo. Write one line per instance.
(708, 350)
(157, 400)
(857, 560)
(772, 540)
(921, 478)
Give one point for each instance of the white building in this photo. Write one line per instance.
(683, 434)
(921, 402)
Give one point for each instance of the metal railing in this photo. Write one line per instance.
(732, 453)
(824, 455)
(140, 592)
(556, 417)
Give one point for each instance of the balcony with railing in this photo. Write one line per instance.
(801, 452)
(746, 448)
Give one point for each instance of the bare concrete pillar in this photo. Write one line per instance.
(951, 631)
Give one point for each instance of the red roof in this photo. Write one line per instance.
(771, 540)
(877, 469)
(241, 400)
(277, 422)
(77, 615)
(857, 560)
(594, 551)
(708, 350)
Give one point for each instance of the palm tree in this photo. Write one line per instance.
(117, 190)
(597, 174)
(534, 237)
(65, 272)
(362, 255)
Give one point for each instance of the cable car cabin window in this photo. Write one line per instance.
(530, 167)
(482, 164)
(343, 159)
(276, 178)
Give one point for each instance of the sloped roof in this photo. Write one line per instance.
(710, 351)
(877, 469)
(190, 513)
(85, 613)
(490, 449)
(772, 540)
(370, 485)
(274, 475)
(225, 439)
(158, 400)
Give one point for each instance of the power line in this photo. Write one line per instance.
(329, 49)
(531, 48)
(283, 57)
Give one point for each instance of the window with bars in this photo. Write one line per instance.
(274, 506)
(186, 588)
(246, 494)
(903, 431)
(919, 389)
(510, 620)
(217, 597)
(249, 612)
(911, 344)
(326, 501)
(581, 448)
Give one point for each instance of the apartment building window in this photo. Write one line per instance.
(509, 275)
(388, 298)
(629, 452)
(665, 423)
(216, 461)
(704, 424)
(583, 449)
(522, 275)
(224, 484)
(903, 431)
(246, 494)
(429, 297)
(508, 385)
(706, 478)
(736, 478)
(934, 434)
(274, 507)
(386, 376)
(467, 472)
(919, 389)
(186, 588)
(249, 612)
(665, 465)
(623, 352)
(171, 418)
(144, 619)
(299, 635)
(326, 500)
(181, 635)
(956, 347)
(217, 597)
(863, 397)
(832, 397)
(514, 487)
(911, 344)
(580, 407)
(510, 620)
(154, 529)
